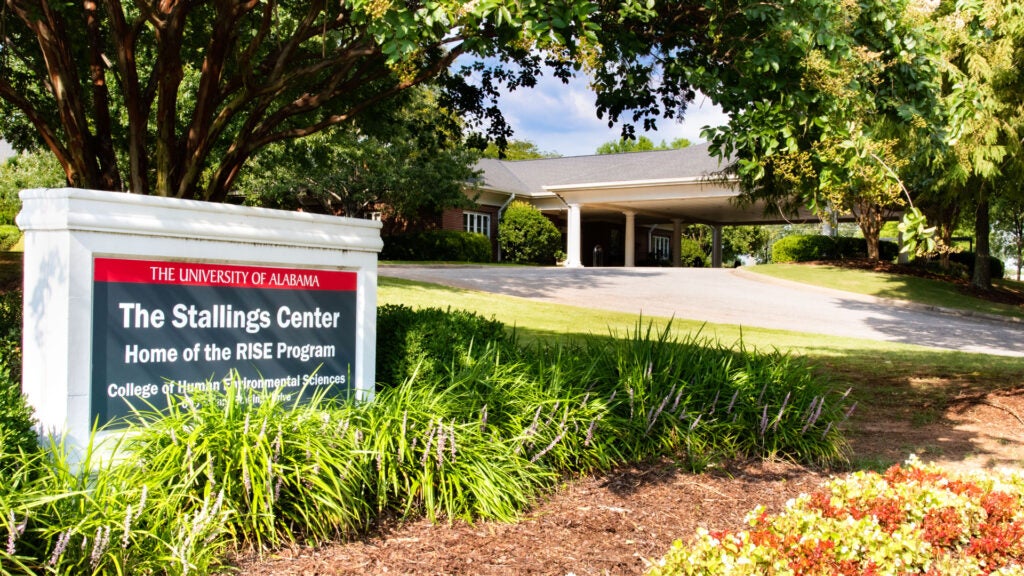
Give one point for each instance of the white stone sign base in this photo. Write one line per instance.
(65, 229)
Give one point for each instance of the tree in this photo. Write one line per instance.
(517, 150)
(641, 144)
(173, 97)
(984, 42)
(409, 161)
(23, 171)
(811, 88)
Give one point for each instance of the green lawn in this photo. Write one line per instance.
(889, 380)
(911, 288)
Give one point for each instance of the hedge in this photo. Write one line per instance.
(807, 248)
(443, 245)
(426, 341)
(9, 236)
(997, 268)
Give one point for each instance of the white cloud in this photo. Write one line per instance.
(562, 118)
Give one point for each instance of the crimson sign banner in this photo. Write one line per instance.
(173, 328)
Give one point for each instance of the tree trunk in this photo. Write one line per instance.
(982, 278)
(870, 220)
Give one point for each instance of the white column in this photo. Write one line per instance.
(630, 248)
(716, 246)
(677, 240)
(572, 240)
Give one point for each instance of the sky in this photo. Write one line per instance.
(561, 118)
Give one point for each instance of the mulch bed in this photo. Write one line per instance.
(614, 523)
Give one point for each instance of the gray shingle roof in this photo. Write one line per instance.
(529, 177)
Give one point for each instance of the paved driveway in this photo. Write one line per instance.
(733, 297)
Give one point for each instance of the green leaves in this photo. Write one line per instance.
(918, 237)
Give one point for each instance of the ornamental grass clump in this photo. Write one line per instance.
(913, 519)
(477, 435)
(705, 401)
(109, 516)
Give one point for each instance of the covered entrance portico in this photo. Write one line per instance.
(624, 209)
(653, 207)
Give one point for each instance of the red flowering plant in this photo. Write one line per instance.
(913, 519)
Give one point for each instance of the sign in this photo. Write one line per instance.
(173, 328)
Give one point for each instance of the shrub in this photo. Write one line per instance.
(9, 236)
(692, 255)
(440, 245)
(527, 236)
(423, 342)
(910, 520)
(803, 248)
(997, 269)
(807, 248)
(16, 423)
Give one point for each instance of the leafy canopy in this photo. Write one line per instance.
(173, 97)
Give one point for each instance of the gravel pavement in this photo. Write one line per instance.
(733, 296)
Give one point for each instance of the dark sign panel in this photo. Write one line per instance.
(172, 328)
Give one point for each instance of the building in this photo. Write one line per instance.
(616, 210)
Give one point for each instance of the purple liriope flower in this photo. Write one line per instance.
(142, 500)
(174, 438)
(761, 395)
(483, 418)
(358, 437)
(405, 421)
(553, 443)
(277, 445)
(612, 397)
(533, 425)
(188, 458)
(245, 427)
(246, 481)
(764, 420)
(126, 537)
(316, 469)
(695, 421)
(827, 429)
(679, 395)
(650, 370)
(812, 415)
(277, 487)
(380, 462)
(714, 403)
(590, 433)
(850, 410)
(440, 443)
(554, 412)
(650, 423)
(585, 398)
(732, 402)
(426, 447)
(85, 542)
(847, 393)
(630, 391)
(59, 548)
(14, 531)
(99, 545)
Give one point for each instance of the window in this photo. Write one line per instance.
(477, 222)
(662, 248)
